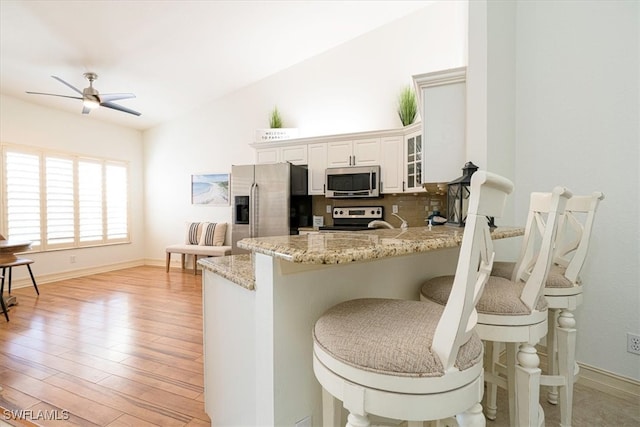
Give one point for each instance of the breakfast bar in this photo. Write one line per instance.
(259, 309)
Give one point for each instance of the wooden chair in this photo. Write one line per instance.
(8, 265)
(563, 292)
(413, 360)
(5, 310)
(515, 312)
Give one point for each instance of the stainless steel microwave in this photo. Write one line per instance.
(352, 182)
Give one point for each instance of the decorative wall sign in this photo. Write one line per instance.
(210, 189)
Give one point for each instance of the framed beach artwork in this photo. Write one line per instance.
(211, 189)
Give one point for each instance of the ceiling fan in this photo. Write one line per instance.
(92, 99)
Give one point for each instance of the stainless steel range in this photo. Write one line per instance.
(353, 218)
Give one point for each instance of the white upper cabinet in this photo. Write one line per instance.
(391, 155)
(442, 103)
(413, 161)
(295, 154)
(317, 165)
(360, 152)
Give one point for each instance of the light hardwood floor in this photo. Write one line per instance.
(114, 349)
(125, 349)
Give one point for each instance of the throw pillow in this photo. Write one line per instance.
(213, 234)
(194, 230)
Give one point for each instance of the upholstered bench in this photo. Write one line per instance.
(205, 239)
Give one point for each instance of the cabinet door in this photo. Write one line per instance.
(413, 162)
(267, 155)
(366, 152)
(296, 154)
(443, 112)
(391, 161)
(317, 165)
(339, 154)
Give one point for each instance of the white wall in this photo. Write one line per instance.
(577, 89)
(577, 125)
(351, 88)
(28, 124)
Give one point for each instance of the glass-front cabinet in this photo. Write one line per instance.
(413, 161)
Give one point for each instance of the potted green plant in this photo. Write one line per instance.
(275, 121)
(407, 106)
(275, 132)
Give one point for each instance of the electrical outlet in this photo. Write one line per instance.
(394, 208)
(328, 208)
(633, 343)
(72, 259)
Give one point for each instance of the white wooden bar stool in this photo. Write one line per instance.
(413, 360)
(563, 292)
(515, 312)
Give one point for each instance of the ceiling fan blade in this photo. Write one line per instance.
(53, 94)
(119, 108)
(107, 97)
(67, 84)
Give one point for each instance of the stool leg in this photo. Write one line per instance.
(195, 264)
(528, 387)
(331, 410)
(4, 307)
(490, 359)
(566, 367)
(168, 260)
(552, 354)
(10, 270)
(512, 355)
(33, 280)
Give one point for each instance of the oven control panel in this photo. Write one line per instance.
(357, 212)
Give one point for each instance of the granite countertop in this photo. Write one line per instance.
(339, 248)
(236, 268)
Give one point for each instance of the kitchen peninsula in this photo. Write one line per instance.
(259, 310)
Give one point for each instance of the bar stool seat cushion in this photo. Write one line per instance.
(500, 296)
(389, 337)
(555, 279)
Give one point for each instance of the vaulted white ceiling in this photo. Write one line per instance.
(174, 55)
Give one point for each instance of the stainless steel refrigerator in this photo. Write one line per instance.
(268, 200)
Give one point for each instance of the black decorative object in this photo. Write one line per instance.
(458, 196)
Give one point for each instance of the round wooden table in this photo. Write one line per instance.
(9, 249)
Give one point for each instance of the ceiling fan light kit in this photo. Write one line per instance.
(91, 98)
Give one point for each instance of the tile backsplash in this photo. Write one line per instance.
(414, 208)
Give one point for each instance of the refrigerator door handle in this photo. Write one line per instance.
(254, 207)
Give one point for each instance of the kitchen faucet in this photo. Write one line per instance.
(404, 224)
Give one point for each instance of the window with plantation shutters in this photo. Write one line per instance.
(90, 201)
(63, 200)
(22, 197)
(60, 212)
(116, 194)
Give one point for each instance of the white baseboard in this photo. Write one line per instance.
(72, 274)
(609, 382)
(599, 379)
